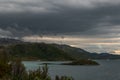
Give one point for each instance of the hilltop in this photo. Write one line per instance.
(83, 54)
(35, 51)
(44, 51)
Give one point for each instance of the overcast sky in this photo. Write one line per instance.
(90, 24)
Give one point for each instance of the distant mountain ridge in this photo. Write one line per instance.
(49, 51)
(81, 53)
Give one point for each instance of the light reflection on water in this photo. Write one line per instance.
(108, 70)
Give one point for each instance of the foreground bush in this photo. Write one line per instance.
(63, 78)
(39, 74)
(15, 70)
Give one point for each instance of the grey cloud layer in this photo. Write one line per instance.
(46, 5)
(76, 17)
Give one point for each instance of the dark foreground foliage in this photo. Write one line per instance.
(15, 70)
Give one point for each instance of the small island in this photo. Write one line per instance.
(82, 62)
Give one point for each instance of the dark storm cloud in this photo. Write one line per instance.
(76, 17)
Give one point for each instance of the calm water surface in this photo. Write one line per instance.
(108, 70)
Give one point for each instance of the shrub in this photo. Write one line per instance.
(15, 70)
(39, 74)
(63, 78)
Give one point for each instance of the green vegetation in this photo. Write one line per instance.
(82, 62)
(35, 51)
(15, 70)
(51, 52)
(11, 67)
(42, 51)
